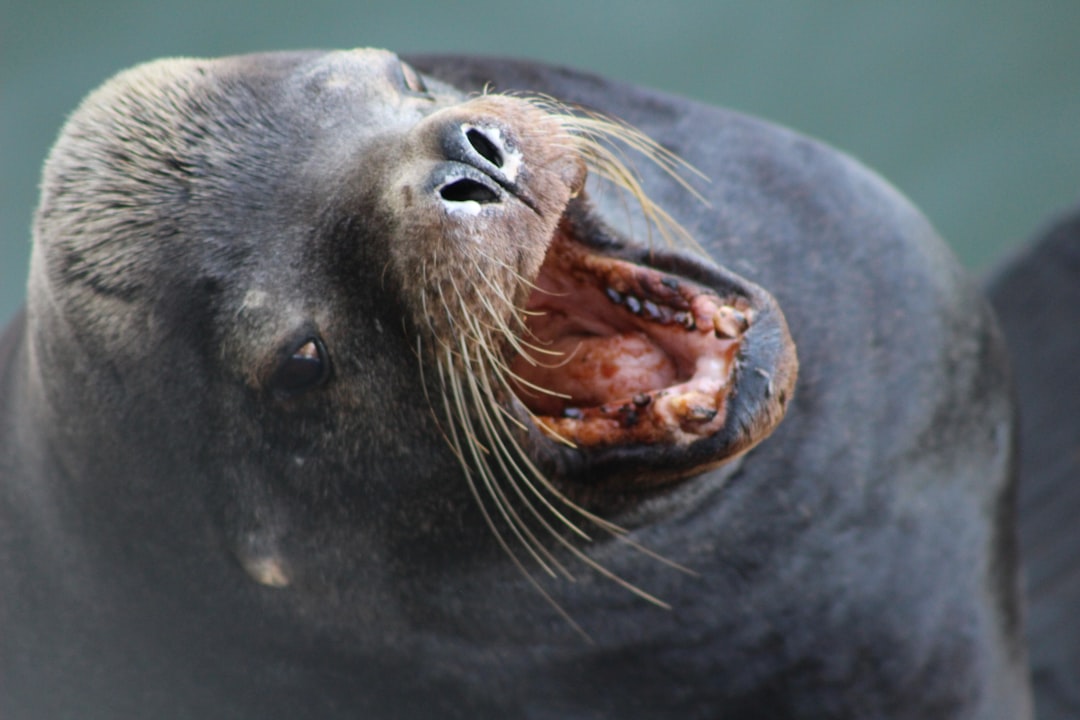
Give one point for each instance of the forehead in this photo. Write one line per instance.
(363, 87)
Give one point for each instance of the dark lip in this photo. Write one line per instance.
(763, 384)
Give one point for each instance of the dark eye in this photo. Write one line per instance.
(306, 367)
(412, 80)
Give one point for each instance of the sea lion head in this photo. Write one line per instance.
(335, 298)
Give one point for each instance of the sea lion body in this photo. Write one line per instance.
(228, 490)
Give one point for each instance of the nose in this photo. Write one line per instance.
(484, 146)
(480, 146)
(487, 143)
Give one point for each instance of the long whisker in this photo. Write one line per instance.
(517, 525)
(501, 457)
(554, 604)
(481, 390)
(474, 334)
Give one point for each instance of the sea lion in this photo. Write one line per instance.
(286, 430)
(1036, 294)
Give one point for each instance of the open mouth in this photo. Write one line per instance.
(627, 364)
(636, 355)
(655, 361)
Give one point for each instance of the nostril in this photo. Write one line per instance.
(465, 190)
(484, 146)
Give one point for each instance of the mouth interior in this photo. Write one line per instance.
(625, 353)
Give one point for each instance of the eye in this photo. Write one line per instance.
(412, 80)
(305, 367)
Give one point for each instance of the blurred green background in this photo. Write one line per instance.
(972, 108)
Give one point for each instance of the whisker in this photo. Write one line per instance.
(501, 457)
(551, 601)
(508, 514)
(474, 333)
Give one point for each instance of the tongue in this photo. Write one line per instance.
(591, 369)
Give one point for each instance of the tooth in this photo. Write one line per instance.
(729, 323)
(633, 304)
(701, 414)
(686, 320)
(694, 407)
(651, 310)
(614, 295)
